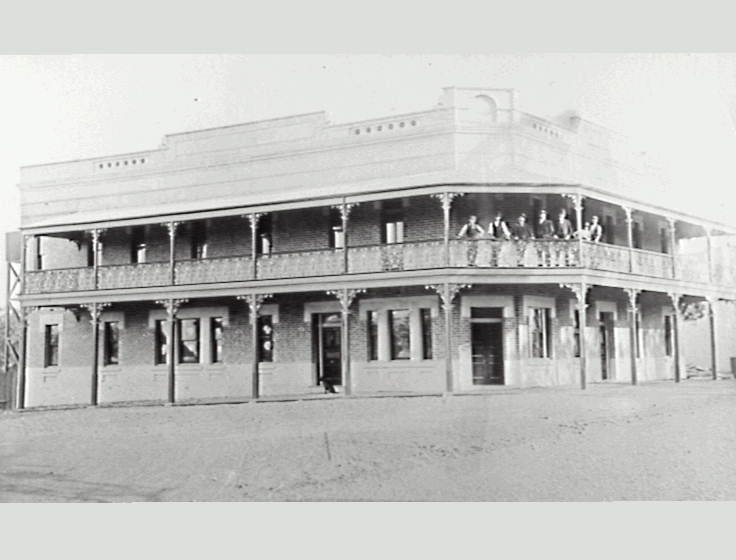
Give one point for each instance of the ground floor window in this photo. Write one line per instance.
(51, 346)
(576, 333)
(161, 351)
(111, 338)
(265, 338)
(426, 321)
(540, 331)
(216, 336)
(372, 320)
(637, 333)
(668, 346)
(398, 323)
(188, 341)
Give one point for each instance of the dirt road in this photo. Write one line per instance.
(612, 442)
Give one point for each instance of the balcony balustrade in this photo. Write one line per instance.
(481, 253)
(143, 275)
(511, 254)
(59, 280)
(396, 257)
(215, 269)
(301, 264)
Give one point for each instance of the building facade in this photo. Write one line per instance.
(290, 256)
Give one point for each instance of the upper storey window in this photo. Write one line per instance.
(264, 235)
(336, 233)
(393, 217)
(138, 246)
(198, 236)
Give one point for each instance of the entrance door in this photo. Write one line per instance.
(605, 328)
(487, 351)
(328, 348)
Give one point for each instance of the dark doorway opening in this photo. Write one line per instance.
(486, 333)
(327, 345)
(607, 349)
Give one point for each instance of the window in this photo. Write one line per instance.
(393, 222)
(372, 335)
(264, 240)
(398, 320)
(636, 234)
(216, 332)
(51, 346)
(668, 347)
(90, 253)
(39, 254)
(188, 341)
(161, 355)
(198, 233)
(138, 246)
(265, 338)
(664, 241)
(540, 331)
(576, 333)
(609, 231)
(111, 338)
(336, 233)
(426, 319)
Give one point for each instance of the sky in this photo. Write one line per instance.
(679, 107)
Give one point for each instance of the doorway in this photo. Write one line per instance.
(327, 342)
(607, 349)
(486, 334)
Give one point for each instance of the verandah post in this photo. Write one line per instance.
(630, 236)
(712, 323)
(171, 227)
(633, 312)
(675, 297)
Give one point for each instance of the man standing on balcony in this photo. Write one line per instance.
(564, 232)
(596, 230)
(498, 231)
(521, 232)
(545, 231)
(471, 231)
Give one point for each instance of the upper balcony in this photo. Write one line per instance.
(386, 235)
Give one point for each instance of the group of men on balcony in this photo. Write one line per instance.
(522, 232)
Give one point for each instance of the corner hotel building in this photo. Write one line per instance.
(263, 259)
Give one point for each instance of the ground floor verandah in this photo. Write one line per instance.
(402, 340)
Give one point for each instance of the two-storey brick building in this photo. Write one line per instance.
(281, 256)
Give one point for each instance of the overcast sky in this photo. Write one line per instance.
(55, 108)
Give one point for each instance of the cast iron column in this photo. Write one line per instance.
(675, 297)
(633, 311)
(712, 323)
(630, 234)
(171, 226)
(253, 218)
(673, 245)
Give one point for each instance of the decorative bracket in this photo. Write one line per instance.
(95, 310)
(254, 301)
(345, 209)
(580, 291)
(447, 292)
(171, 305)
(676, 302)
(672, 222)
(633, 294)
(577, 200)
(253, 219)
(171, 227)
(446, 199)
(628, 212)
(346, 296)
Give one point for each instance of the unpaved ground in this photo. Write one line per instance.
(612, 442)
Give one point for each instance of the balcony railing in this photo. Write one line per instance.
(482, 253)
(214, 269)
(59, 280)
(143, 275)
(395, 257)
(301, 264)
